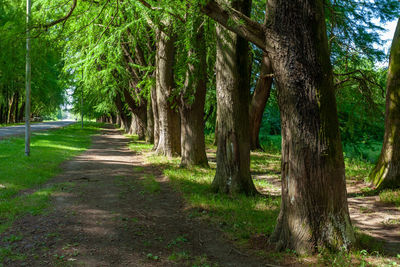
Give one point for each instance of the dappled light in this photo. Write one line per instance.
(205, 134)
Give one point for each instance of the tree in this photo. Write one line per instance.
(192, 99)
(232, 81)
(48, 82)
(169, 140)
(259, 101)
(386, 173)
(314, 212)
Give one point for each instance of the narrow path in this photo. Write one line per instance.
(109, 212)
(20, 129)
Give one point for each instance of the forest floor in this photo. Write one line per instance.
(112, 209)
(116, 206)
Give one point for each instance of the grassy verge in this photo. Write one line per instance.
(243, 219)
(18, 172)
(390, 196)
(19, 123)
(11, 124)
(249, 220)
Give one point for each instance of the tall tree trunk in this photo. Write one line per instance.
(118, 120)
(216, 130)
(386, 173)
(113, 118)
(124, 121)
(16, 107)
(233, 91)
(11, 109)
(192, 114)
(1, 113)
(139, 114)
(133, 127)
(150, 123)
(21, 111)
(155, 117)
(169, 143)
(259, 101)
(314, 212)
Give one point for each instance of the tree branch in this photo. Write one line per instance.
(236, 22)
(146, 4)
(74, 3)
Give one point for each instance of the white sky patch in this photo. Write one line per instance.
(388, 36)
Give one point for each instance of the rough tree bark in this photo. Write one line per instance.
(233, 90)
(16, 107)
(12, 107)
(137, 106)
(124, 120)
(169, 142)
(314, 213)
(150, 123)
(118, 120)
(259, 101)
(156, 130)
(192, 109)
(139, 114)
(386, 173)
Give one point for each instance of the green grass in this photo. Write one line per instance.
(19, 172)
(241, 217)
(390, 196)
(11, 124)
(357, 169)
(137, 145)
(358, 164)
(150, 184)
(19, 123)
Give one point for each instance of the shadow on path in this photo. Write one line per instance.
(103, 215)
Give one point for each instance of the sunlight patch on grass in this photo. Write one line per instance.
(244, 218)
(390, 196)
(241, 217)
(18, 172)
(150, 184)
(357, 169)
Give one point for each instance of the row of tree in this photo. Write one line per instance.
(48, 88)
(162, 70)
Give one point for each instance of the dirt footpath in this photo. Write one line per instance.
(104, 215)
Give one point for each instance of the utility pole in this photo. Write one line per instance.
(82, 101)
(28, 81)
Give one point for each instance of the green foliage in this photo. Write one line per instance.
(48, 81)
(354, 28)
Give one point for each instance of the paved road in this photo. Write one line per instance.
(20, 129)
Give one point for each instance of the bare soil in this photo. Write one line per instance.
(372, 217)
(104, 216)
